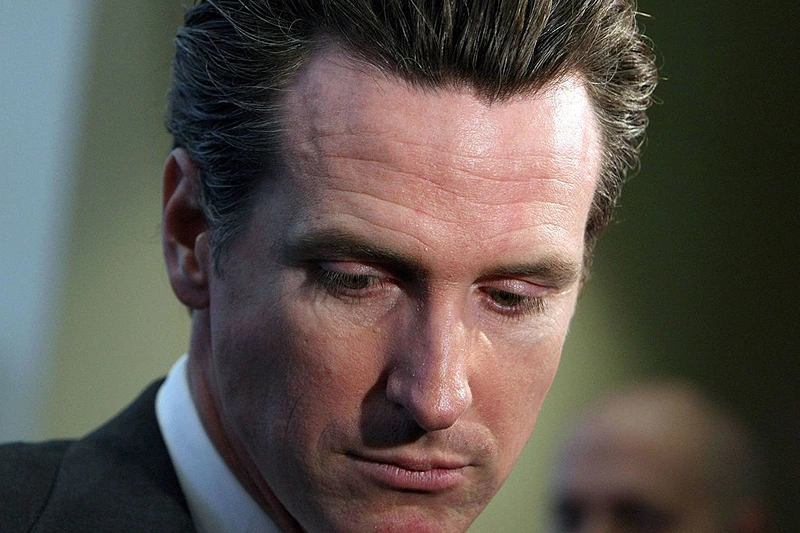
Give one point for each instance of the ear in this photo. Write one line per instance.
(185, 232)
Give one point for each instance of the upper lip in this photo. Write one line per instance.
(416, 463)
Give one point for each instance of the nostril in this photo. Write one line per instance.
(433, 402)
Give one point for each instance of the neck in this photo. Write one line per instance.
(206, 398)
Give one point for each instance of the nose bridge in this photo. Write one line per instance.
(430, 377)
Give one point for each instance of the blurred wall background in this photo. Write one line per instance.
(698, 277)
(40, 88)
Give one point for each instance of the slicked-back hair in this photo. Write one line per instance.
(235, 58)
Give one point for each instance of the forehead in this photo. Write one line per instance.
(336, 95)
(358, 140)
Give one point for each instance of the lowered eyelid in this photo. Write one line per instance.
(337, 279)
(521, 287)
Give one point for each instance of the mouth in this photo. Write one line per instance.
(412, 474)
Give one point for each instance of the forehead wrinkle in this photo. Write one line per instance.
(507, 168)
(450, 207)
(419, 240)
(444, 212)
(521, 191)
(326, 139)
(437, 166)
(447, 204)
(508, 163)
(477, 132)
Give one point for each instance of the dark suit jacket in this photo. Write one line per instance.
(117, 479)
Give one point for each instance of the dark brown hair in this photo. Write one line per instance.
(234, 58)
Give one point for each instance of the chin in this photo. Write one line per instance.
(405, 520)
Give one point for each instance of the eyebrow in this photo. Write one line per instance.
(555, 272)
(338, 245)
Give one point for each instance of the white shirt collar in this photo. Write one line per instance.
(217, 501)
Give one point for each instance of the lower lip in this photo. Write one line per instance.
(398, 478)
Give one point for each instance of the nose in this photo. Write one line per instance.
(429, 377)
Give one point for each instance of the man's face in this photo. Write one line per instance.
(387, 325)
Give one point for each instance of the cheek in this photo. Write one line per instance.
(310, 373)
(511, 396)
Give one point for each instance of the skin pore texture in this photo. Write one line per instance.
(378, 344)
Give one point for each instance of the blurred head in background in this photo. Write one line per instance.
(658, 458)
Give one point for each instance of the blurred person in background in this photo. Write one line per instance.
(661, 457)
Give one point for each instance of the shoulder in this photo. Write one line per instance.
(118, 478)
(27, 476)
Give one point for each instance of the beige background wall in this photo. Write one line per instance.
(118, 325)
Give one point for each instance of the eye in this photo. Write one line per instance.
(515, 298)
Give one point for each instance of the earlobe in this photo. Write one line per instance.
(185, 232)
